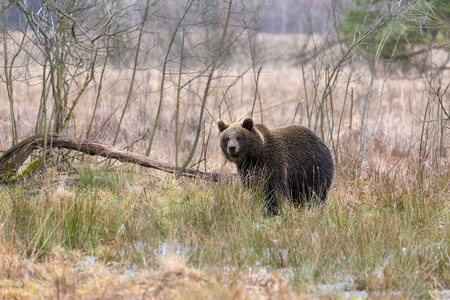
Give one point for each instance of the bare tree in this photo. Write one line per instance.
(8, 67)
(73, 45)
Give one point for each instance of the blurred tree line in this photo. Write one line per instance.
(408, 24)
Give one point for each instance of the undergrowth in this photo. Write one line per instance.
(382, 233)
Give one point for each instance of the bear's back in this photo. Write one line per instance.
(295, 146)
(289, 137)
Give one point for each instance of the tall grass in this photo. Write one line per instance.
(383, 234)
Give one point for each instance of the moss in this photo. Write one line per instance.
(32, 167)
(8, 174)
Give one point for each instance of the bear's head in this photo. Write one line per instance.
(238, 141)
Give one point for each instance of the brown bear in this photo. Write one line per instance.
(292, 161)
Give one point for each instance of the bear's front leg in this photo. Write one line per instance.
(276, 193)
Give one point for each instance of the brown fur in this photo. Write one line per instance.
(293, 161)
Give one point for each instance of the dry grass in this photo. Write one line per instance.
(127, 235)
(126, 232)
(69, 274)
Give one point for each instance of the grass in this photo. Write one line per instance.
(121, 233)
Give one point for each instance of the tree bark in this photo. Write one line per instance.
(14, 157)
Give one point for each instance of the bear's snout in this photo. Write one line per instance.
(232, 149)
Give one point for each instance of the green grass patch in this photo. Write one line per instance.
(388, 239)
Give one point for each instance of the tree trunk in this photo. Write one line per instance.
(13, 158)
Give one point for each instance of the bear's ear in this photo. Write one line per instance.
(248, 124)
(222, 126)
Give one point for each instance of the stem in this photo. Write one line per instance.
(161, 91)
(177, 109)
(99, 89)
(136, 60)
(8, 78)
(205, 95)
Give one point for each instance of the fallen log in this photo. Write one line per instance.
(13, 158)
